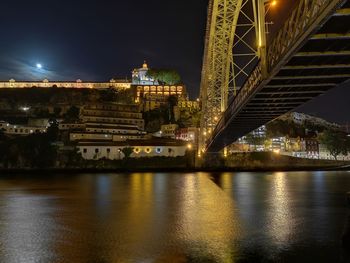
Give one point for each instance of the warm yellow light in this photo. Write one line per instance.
(189, 146)
(137, 150)
(277, 151)
(273, 3)
(225, 152)
(204, 133)
(148, 150)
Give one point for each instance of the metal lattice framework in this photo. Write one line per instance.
(304, 20)
(229, 57)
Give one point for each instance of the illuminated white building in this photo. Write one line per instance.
(139, 76)
(169, 130)
(78, 84)
(108, 122)
(13, 129)
(187, 134)
(141, 148)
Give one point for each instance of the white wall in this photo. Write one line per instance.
(115, 152)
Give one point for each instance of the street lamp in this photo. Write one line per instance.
(262, 11)
(273, 3)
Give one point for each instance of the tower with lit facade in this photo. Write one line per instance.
(139, 76)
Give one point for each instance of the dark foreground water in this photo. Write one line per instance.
(199, 217)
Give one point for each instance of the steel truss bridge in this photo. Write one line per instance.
(248, 81)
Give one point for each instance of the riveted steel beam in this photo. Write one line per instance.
(282, 98)
(330, 36)
(263, 107)
(325, 66)
(342, 12)
(264, 112)
(312, 77)
(291, 92)
(220, 68)
(275, 103)
(301, 85)
(323, 53)
(302, 24)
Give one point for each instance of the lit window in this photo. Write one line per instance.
(148, 150)
(158, 150)
(137, 150)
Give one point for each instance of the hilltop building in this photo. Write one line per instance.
(78, 84)
(302, 118)
(185, 104)
(154, 94)
(139, 76)
(109, 122)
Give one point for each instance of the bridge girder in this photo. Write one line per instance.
(229, 24)
(287, 52)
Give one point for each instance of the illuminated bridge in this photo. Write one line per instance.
(309, 55)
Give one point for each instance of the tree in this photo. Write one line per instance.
(280, 128)
(34, 150)
(172, 102)
(127, 151)
(2, 135)
(53, 131)
(164, 76)
(108, 95)
(155, 118)
(336, 142)
(251, 139)
(72, 114)
(57, 111)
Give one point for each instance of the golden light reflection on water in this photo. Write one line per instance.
(161, 217)
(140, 217)
(26, 236)
(208, 218)
(227, 182)
(281, 217)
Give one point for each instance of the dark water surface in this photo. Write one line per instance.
(194, 217)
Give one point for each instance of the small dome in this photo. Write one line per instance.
(145, 66)
(45, 80)
(12, 80)
(79, 81)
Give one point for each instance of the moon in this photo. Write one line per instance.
(39, 66)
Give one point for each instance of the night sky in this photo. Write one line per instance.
(101, 39)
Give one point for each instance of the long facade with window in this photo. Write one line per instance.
(110, 122)
(143, 148)
(12, 129)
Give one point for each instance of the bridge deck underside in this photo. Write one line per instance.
(322, 63)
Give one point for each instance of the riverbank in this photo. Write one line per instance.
(272, 161)
(41, 171)
(247, 162)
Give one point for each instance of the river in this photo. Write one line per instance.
(158, 217)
